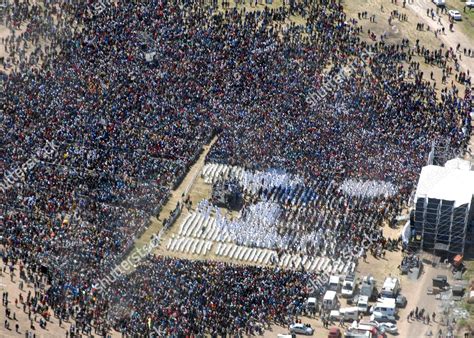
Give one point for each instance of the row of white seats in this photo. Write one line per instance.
(258, 255)
(198, 226)
(212, 171)
(237, 173)
(243, 253)
(187, 245)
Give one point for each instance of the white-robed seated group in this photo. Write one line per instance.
(322, 226)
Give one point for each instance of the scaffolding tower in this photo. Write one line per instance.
(440, 226)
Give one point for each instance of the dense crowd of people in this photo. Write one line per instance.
(127, 128)
(182, 297)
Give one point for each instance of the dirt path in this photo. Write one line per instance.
(450, 39)
(176, 196)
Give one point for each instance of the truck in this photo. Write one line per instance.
(368, 288)
(348, 286)
(363, 304)
(357, 330)
(335, 283)
(354, 333)
(390, 288)
(330, 300)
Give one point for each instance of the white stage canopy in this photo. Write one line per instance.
(454, 182)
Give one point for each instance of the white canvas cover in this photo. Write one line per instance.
(446, 183)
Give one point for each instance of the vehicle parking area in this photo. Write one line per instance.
(416, 293)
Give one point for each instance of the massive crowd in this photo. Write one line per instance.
(183, 297)
(128, 129)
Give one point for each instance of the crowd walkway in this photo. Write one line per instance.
(176, 197)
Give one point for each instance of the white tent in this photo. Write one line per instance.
(457, 163)
(447, 183)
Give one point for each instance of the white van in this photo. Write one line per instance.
(346, 314)
(469, 4)
(391, 287)
(311, 304)
(349, 313)
(330, 301)
(334, 315)
(363, 304)
(335, 283)
(385, 307)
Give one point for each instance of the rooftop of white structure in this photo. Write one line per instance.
(453, 182)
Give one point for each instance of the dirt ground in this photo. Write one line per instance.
(4, 32)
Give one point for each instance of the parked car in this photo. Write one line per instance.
(345, 313)
(455, 15)
(382, 318)
(335, 283)
(469, 4)
(439, 3)
(301, 329)
(335, 332)
(334, 315)
(401, 301)
(311, 304)
(388, 327)
(363, 304)
(440, 281)
(371, 323)
(383, 327)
